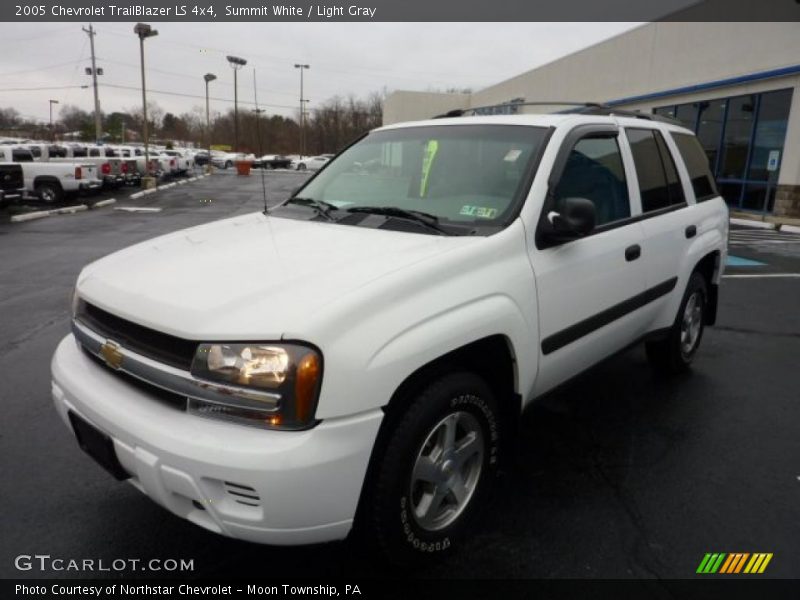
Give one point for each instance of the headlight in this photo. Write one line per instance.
(269, 385)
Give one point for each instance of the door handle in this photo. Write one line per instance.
(690, 232)
(633, 252)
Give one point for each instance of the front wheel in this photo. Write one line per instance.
(228, 164)
(436, 472)
(301, 167)
(674, 353)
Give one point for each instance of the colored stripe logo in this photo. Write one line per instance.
(734, 563)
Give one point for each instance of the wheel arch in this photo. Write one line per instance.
(710, 268)
(40, 179)
(493, 358)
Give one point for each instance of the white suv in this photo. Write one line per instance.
(357, 357)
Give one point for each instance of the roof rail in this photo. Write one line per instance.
(582, 108)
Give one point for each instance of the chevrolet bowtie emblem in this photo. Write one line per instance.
(111, 354)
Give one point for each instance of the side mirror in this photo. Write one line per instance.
(576, 220)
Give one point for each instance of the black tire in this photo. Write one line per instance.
(48, 192)
(301, 167)
(228, 164)
(674, 353)
(390, 519)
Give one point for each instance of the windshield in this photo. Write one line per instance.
(468, 176)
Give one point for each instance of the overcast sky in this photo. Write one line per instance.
(345, 58)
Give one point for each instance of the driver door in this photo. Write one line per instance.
(589, 288)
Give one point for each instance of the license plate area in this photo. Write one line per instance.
(98, 445)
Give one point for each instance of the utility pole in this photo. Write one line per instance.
(97, 125)
(236, 64)
(52, 131)
(302, 68)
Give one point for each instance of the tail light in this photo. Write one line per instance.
(124, 167)
(172, 162)
(78, 173)
(106, 169)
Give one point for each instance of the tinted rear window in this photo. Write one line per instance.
(696, 162)
(659, 184)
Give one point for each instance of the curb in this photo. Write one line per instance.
(754, 224)
(103, 203)
(68, 210)
(790, 228)
(40, 214)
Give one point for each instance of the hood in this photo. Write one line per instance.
(250, 277)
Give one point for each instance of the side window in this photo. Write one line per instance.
(94, 152)
(696, 162)
(594, 171)
(20, 155)
(659, 184)
(36, 151)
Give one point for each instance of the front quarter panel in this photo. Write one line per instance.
(374, 339)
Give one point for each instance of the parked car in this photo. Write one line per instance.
(226, 160)
(201, 158)
(52, 181)
(272, 161)
(309, 163)
(184, 161)
(357, 358)
(111, 169)
(12, 183)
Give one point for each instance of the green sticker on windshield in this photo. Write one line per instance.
(479, 212)
(431, 148)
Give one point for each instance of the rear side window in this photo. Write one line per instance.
(594, 171)
(19, 155)
(696, 162)
(94, 152)
(659, 184)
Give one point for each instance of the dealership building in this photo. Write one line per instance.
(737, 85)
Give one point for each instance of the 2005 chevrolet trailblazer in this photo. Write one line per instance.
(357, 357)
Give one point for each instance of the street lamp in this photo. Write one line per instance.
(52, 131)
(208, 78)
(302, 111)
(144, 31)
(236, 64)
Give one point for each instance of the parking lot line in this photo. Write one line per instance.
(762, 276)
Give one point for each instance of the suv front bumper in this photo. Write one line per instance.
(275, 487)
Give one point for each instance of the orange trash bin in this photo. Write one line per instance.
(243, 167)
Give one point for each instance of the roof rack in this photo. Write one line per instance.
(581, 108)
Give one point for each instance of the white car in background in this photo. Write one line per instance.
(310, 163)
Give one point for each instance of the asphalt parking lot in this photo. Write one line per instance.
(619, 475)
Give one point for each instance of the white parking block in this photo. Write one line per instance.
(103, 203)
(39, 214)
(150, 191)
(790, 228)
(144, 209)
(136, 195)
(68, 210)
(749, 223)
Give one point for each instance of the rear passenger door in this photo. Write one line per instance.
(667, 219)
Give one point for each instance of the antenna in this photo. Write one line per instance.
(258, 112)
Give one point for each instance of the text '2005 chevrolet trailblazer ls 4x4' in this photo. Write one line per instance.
(357, 357)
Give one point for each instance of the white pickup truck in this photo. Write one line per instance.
(52, 181)
(356, 359)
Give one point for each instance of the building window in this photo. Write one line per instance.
(738, 132)
(773, 115)
(709, 127)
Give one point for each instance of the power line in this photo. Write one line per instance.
(36, 89)
(47, 68)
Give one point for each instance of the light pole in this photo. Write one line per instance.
(144, 31)
(236, 64)
(302, 111)
(208, 78)
(52, 131)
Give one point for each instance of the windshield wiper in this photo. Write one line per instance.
(322, 208)
(428, 220)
